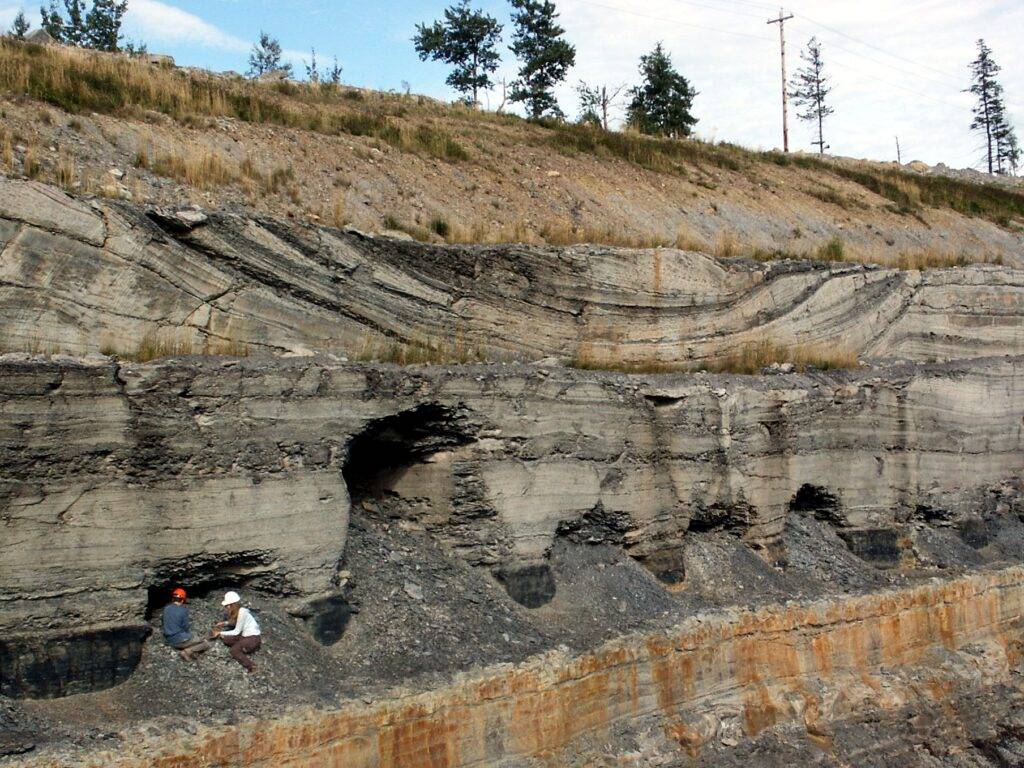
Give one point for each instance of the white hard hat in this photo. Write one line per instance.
(231, 598)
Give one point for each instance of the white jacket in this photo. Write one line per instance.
(245, 625)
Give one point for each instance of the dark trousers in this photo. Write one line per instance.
(241, 648)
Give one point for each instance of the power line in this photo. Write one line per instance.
(858, 70)
(886, 64)
(880, 49)
(721, 10)
(752, 4)
(900, 87)
(836, 45)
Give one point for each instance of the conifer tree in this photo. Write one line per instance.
(75, 27)
(103, 24)
(20, 26)
(100, 28)
(662, 102)
(1007, 149)
(990, 113)
(266, 57)
(545, 55)
(809, 89)
(52, 21)
(467, 40)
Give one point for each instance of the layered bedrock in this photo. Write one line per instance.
(81, 277)
(712, 679)
(117, 480)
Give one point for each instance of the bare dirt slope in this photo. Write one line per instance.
(383, 161)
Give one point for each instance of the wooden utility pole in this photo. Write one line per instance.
(899, 156)
(781, 21)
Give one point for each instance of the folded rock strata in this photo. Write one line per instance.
(80, 277)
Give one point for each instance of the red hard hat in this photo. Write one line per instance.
(179, 592)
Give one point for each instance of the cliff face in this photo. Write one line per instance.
(80, 278)
(120, 479)
(405, 525)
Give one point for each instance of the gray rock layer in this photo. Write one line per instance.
(79, 278)
(116, 480)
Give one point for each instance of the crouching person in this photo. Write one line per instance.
(177, 628)
(243, 639)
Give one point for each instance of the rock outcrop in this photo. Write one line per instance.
(712, 680)
(119, 479)
(80, 278)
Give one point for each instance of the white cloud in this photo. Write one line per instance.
(156, 22)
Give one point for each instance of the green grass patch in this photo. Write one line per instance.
(656, 154)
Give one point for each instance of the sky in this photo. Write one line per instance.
(897, 67)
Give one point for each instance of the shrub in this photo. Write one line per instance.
(832, 250)
(441, 227)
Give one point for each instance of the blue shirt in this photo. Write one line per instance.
(176, 624)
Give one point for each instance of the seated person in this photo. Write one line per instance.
(177, 628)
(243, 639)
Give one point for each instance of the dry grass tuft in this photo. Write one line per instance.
(197, 166)
(752, 358)
(933, 258)
(338, 213)
(835, 250)
(269, 182)
(31, 167)
(748, 359)
(430, 352)
(552, 233)
(7, 151)
(726, 245)
(661, 155)
(65, 173)
(491, 234)
(154, 346)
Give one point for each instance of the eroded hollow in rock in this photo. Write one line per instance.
(531, 585)
(328, 618)
(975, 532)
(816, 500)
(881, 547)
(64, 664)
(201, 576)
(668, 565)
(379, 454)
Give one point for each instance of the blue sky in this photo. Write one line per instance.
(898, 68)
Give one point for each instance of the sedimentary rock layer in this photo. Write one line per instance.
(117, 479)
(80, 277)
(710, 678)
